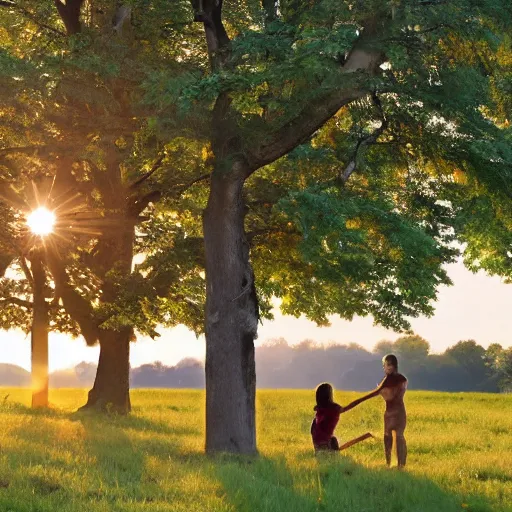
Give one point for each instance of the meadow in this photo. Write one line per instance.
(460, 457)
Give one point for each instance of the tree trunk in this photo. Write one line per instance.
(70, 15)
(39, 335)
(231, 319)
(111, 390)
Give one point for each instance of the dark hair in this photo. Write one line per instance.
(324, 395)
(391, 359)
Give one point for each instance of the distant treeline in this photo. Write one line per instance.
(188, 373)
(466, 366)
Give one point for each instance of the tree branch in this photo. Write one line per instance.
(431, 2)
(78, 308)
(5, 262)
(26, 271)
(365, 141)
(217, 38)
(251, 235)
(144, 177)
(314, 115)
(270, 9)
(21, 149)
(300, 129)
(184, 188)
(10, 196)
(121, 17)
(17, 302)
(140, 204)
(30, 16)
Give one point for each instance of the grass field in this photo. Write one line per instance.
(460, 457)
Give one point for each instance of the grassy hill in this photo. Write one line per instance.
(460, 453)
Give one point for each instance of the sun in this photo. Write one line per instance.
(41, 221)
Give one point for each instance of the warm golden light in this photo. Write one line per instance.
(41, 221)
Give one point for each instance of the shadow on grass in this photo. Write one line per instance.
(334, 483)
(132, 421)
(104, 461)
(134, 461)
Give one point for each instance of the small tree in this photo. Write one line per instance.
(470, 356)
(500, 361)
(27, 299)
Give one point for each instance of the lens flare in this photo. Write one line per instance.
(41, 221)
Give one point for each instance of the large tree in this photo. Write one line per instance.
(73, 92)
(371, 92)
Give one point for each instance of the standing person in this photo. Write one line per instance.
(393, 389)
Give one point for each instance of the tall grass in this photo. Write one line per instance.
(460, 457)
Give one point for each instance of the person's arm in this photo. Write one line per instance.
(372, 394)
(351, 405)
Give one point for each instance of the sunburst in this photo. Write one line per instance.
(41, 221)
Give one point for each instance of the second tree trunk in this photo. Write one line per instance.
(111, 390)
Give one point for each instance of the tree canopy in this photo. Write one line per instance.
(339, 150)
(365, 211)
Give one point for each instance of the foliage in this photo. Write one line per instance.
(83, 115)
(413, 349)
(500, 361)
(439, 170)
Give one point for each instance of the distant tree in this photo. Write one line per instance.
(362, 375)
(275, 343)
(86, 373)
(412, 351)
(468, 354)
(492, 352)
(471, 357)
(188, 373)
(440, 373)
(356, 347)
(305, 345)
(500, 360)
(273, 359)
(384, 347)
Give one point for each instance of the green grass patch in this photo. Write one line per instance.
(460, 448)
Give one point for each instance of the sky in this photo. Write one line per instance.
(476, 307)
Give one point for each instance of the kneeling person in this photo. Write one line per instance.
(327, 417)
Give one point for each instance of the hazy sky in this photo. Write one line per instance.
(477, 307)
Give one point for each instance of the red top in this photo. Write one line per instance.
(325, 422)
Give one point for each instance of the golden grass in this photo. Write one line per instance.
(460, 457)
